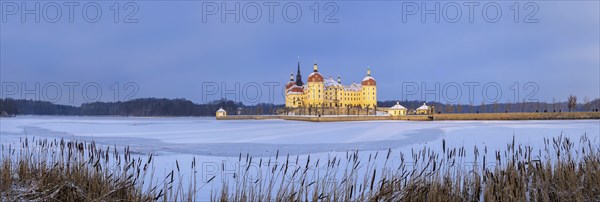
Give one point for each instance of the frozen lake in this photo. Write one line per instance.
(209, 137)
(222, 148)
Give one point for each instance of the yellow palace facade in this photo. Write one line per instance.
(321, 92)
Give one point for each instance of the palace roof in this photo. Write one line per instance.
(296, 90)
(330, 82)
(368, 81)
(315, 77)
(290, 84)
(353, 87)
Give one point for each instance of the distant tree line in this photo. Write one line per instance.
(12, 107)
(183, 107)
(569, 105)
(8, 106)
(137, 107)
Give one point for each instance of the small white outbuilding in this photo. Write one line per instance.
(221, 112)
(423, 109)
(397, 110)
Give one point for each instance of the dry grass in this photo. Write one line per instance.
(59, 170)
(563, 170)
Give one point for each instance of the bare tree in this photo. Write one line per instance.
(572, 102)
(471, 106)
(459, 108)
(507, 106)
(496, 107)
(482, 107)
(522, 105)
(586, 104)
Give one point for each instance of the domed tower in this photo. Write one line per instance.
(290, 83)
(369, 91)
(316, 88)
(288, 88)
(294, 92)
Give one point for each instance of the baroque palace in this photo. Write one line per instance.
(321, 92)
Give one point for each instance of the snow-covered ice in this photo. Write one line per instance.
(220, 143)
(207, 136)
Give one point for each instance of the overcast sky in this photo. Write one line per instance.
(172, 52)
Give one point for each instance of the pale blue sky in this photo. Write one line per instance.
(171, 52)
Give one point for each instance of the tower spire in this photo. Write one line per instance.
(369, 70)
(298, 76)
(315, 68)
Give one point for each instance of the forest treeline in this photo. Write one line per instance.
(570, 105)
(136, 107)
(183, 107)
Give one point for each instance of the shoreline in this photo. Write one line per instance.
(432, 117)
